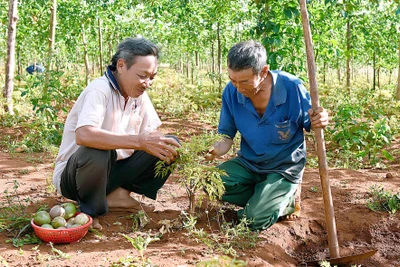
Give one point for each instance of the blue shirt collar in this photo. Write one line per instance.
(111, 78)
(279, 91)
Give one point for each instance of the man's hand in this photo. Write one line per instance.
(156, 144)
(219, 149)
(319, 118)
(160, 146)
(211, 154)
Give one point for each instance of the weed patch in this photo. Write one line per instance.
(383, 200)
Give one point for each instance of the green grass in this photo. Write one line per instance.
(383, 200)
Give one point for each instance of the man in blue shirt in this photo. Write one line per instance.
(35, 67)
(270, 109)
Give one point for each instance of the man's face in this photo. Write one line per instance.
(140, 76)
(245, 81)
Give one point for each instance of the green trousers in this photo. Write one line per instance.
(264, 197)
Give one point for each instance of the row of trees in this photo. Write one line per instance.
(348, 34)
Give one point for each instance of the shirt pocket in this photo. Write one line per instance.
(283, 132)
(135, 121)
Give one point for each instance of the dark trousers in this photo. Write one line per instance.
(92, 174)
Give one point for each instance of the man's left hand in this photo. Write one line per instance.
(319, 118)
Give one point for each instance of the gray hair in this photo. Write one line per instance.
(245, 55)
(130, 48)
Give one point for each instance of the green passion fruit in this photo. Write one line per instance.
(42, 217)
(58, 222)
(81, 219)
(46, 225)
(70, 210)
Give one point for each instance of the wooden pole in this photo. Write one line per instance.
(323, 168)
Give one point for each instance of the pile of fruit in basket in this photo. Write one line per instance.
(63, 216)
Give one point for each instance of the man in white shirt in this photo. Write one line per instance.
(110, 143)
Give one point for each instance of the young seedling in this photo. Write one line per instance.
(140, 220)
(195, 173)
(314, 189)
(141, 244)
(230, 237)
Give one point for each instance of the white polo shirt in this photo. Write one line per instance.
(101, 105)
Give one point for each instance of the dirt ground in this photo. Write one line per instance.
(284, 244)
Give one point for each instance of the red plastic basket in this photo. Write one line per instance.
(62, 236)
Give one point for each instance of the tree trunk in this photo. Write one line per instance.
(348, 57)
(187, 66)
(374, 72)
(52, 39)
(10, 64)
(100, 48)
(212, 58)
(323, 166)
(219, 57)
(110, 50)
(85, 55)
(378, 76)
(398, 74)
(18, 63)
(94, 65)
(192, 74)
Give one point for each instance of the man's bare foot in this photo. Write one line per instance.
(296, 214)
(120, 199)
(297, 208)
(96, 224)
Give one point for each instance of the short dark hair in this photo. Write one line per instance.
(247, 54)
(130, 48)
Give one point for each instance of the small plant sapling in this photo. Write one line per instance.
(195, 173)
(382, 199)
(141, 243)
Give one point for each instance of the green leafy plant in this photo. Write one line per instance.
(58, 253)
(382, 199)
(125, 261)
(230, 238)
(196, 175)
(362, 127)
(40, 120)
(140, 220)
(140, 243)
(222, 261)
(14, 219)
(314, 189)
(26, 239)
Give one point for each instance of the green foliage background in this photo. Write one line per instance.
(195, 37)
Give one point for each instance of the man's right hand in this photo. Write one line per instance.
(154, 143)
(160, 146)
